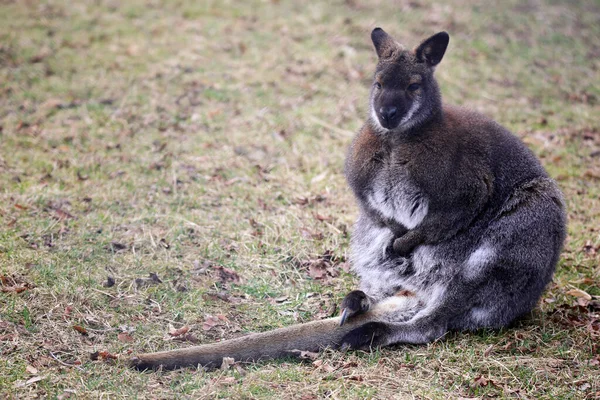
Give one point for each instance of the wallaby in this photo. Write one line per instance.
(460, 227)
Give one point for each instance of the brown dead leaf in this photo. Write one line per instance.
(323, 218)
(322, 365)
(226, 274)
(178, 332)
(582, 302)
(29, 381)
(592, 174)
(305, 355)
(14, 284)
(358, 378)
(188, 337)
(66, 394)
(322, 269)
(227, 363)
(31, 369)
(102, 355)
(152, 279)
(481, 381)
(210, 322)
(583, 281)
(16, 289)
(62, 215)
(228, 380)
(488, 351)
(345, 266)
(125, 337)
(40, 55)
(579, 293)
(80, 329)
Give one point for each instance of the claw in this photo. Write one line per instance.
(344, 316)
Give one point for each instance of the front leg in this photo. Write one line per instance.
(404, 245)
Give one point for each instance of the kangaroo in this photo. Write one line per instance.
(459, 227)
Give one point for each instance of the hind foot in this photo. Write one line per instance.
(356, 302)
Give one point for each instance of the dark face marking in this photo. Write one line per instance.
(404, 92)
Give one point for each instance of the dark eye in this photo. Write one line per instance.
(377, 85)
(413, 86)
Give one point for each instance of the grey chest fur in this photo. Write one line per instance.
(394, 196)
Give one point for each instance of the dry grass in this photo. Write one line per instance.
(181, 138)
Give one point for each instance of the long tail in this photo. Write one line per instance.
(311, 336)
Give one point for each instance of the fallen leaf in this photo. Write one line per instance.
(188, 337)
(583, 302)
(31, 369)
(14, 283)
(80, 329)
(229, 380)
(30, 381)
(584, 281)
(68, 310)
(322, 365)
(152, 279)
(322, 269)
(358, 378)
(345, 266)
(61, 214)
(317, 270)
(66, 394)
(40, 55)
(319, 177)
(480, 381)
(178, 332)
(102, 355)
(323, 218)
(590, 173)
(579, 293)
(125, 337)
(210, 322)
(226, 274)
(16, 289)
(281, 299)
(227, 363)
(488, 351)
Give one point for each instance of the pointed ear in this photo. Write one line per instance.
(432, 50)
(384, 43)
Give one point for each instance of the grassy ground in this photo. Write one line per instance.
(203, 141)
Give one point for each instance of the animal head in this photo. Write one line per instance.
(405, 93)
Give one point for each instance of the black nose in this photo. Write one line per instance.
(388, 113)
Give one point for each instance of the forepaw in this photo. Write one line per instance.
(355, 302)
(403, 247)
(369, 335)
